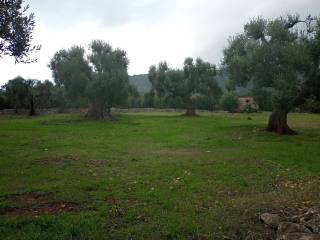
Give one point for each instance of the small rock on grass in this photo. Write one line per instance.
(272, 220)
(288, 227)
(314, 224)
(299, 236)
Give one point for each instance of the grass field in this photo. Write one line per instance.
(152, 175)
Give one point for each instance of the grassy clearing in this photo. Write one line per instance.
(152, 175)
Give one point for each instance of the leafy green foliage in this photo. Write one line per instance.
(100, 78)
(134, 98)
(44, 93)
(19, 93)
(109, 84)
(149, 99)
(22, 93)
(311, 105)
(229, 101)
(272, 56)
(3, 100)
(71, 71)
(276, 55)
(248, 109)
(181, 86)
(16, 31)
(263, 97)
(16, 91)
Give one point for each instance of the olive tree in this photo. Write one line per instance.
(16, 92)
(21, 93)
(71, 72)
(109, 84)
(229, 101)
(196, 78)
(98, 79)
(45, 94)
(16, 30)
(274, 54)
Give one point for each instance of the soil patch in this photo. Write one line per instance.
(34, 204)
(58, 160)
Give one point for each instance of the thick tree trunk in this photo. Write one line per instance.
(190, 112)
(278, 123)
(98, 111)
(32, 111)
(190, 109)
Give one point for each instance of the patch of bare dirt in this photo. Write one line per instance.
(168, 153)
(28, 197)
(58, 160)
(34, 204)
(48, 208)
(179, 152)
(98, 163)
(296, 184)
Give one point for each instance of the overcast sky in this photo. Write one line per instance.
(149, 30)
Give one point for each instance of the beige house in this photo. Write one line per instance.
(247, 100)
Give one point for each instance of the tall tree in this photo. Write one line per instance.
(157, 77)
(109, 84)
(16, 92)
(3, 99)
(71, 71)
(229, 101)
(313, 84)
(274, 54)
(32, 95)
(21, 93)
(44, 91)
(100, 77)
(16, 30)
(196, 78)
(134, 98)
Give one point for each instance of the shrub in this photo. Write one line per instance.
(229, 101)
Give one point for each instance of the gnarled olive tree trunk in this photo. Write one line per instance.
(98, 111)
(32, 111)
(278, 123)
(190, 109)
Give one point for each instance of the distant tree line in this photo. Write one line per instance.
(20, 93)
(182, 86)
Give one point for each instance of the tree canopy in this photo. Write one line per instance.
(109, 84)
(71, 71)
(99, 77)
(275, 54)
(196, 78)
(16, 30)
(22, 93)
(229, 101)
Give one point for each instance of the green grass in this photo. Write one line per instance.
(152, 175)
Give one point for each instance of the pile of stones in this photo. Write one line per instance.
(305, 226)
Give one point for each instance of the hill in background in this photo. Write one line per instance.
(141, 82)
(143, 85)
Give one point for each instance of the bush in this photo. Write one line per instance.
(229, 101)
(263, 97)
(311, 105)
(3, 100)
(149, 100)
(248, 109)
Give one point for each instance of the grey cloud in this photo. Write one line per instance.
(62, 13)
(218, 22)
(150, 30)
